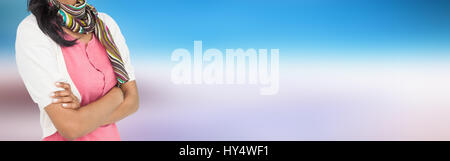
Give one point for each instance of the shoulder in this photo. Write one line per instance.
(108, 20)
(30, 19)
(30, 39)
(104, 16)
(29, 23)
(29, 31)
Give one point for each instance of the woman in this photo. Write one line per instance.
(75, 65)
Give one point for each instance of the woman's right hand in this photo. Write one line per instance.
(65, 97)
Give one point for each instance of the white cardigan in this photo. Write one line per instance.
(41, 64)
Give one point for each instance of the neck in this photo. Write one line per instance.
(68, 2)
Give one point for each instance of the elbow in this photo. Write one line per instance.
(135, 108)
(71, 131)
(136, 105)
(69, 136)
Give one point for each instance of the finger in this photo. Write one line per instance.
(63, 100)
(75, 98)
(65, 86)
(64, 93)
(69, 105)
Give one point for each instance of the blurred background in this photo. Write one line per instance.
(349, 70)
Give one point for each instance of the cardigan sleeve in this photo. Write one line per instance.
(36, 62)
(120, 41)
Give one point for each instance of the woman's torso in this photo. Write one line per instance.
(90, 69)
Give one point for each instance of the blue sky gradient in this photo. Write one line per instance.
(345, 28)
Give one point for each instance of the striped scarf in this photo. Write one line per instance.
(82, 18)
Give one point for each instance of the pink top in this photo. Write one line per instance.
(91, 72)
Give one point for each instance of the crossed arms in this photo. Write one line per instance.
(73, 121)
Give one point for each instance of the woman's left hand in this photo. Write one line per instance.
(65, 97)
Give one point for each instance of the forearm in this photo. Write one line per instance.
(95, 114)
(129, 106)
(72, 124)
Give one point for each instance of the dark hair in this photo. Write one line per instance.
(48, 21)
